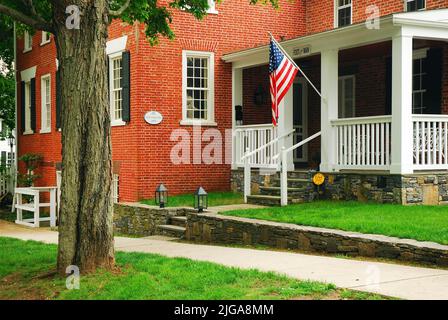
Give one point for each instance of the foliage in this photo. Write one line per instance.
(32, 162)
(7, 103)
(148, 276)
(424, 223)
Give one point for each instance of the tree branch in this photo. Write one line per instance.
(35, 22)
(119, 12)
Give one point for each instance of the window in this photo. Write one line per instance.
(46, 104)
(115, 188)
(418, 80)
(27, 42)
(45, 37)
(116, 91)
(198, 88)
(28, 129)
(414, 5)
(343, 15)
(212, 7)
(10, 159)
(347, 97)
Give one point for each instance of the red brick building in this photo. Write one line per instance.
(219, 63)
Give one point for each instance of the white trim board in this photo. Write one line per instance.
(116, 45)
(28, 74)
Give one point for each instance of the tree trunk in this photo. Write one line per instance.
(85, 226)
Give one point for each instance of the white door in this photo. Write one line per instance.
(300, 115)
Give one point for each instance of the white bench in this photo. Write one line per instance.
(35, 206)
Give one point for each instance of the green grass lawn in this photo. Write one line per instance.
(214, 199)
(425, 223)
(147, 276)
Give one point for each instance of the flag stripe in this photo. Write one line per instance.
(282, 72)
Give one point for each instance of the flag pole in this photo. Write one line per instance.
(295, 65)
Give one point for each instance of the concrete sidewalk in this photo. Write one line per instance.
(387, 279)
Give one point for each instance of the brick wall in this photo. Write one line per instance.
(141, 152)
(320, 13)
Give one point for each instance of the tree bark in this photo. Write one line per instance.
(85, 226)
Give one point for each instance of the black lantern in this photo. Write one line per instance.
(200, 200)
(161, 196)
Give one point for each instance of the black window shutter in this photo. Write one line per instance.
(22, 106)
(33, 104)
(432, 82)
(126, 86)
(388, 83)
(58, 99)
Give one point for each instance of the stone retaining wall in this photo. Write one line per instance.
(212, 228)
(142, 220)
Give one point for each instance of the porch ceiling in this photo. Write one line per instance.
(431, 24)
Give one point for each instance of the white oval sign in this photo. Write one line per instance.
(153, 117)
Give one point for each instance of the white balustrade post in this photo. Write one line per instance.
(329, 108)
(36, 209)
(284, 178)
(247, 177)
(53, 207)
(402, 127)
(19, 203)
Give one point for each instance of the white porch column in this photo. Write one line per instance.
(402, 128)
(285, 125)
(237, 100)
(329, 108)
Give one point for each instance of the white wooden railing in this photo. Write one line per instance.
(254, 137)
(430, 142)
(363, 143)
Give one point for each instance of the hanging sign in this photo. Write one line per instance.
(153, 117)
(318, 179)
(301, 51)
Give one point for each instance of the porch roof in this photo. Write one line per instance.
(430, 24)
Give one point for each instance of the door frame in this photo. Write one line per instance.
(304, 84)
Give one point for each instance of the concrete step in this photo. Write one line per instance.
(179, 221)
(172, 231)
(293, 183)
(264, 200)
(275, 191)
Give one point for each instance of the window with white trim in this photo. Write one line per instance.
(28, 129)
(343, 13)
(116, 90)
(116, 188)
(45, 93)
(198, 87)
(46, 37)
(347, 96)
(418, 82)
(27, 41)
(212, 7)
(414, 5)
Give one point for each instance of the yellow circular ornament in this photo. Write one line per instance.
(318, 179)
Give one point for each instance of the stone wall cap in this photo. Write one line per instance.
(348, 234)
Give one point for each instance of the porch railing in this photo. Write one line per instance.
(254, 137)
(363, 143)
(430, 142)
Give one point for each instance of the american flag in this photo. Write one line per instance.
(282, 72)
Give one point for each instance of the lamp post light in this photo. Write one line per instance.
(200, 200)
(161, 196)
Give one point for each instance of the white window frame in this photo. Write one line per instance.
(419, 54)
(45, 40)
(45, 115)
(336, 12)
(343, 98)
(212, 7)
(27, 95)
(210, 121)
(406, 6)
(114, 121)
(27, 42)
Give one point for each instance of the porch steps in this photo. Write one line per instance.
(300, 189)
(179, 221)
(172, 231)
